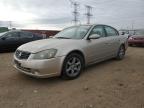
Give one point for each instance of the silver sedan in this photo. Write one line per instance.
(68, 52)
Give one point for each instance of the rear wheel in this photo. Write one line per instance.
(121, 53)
(72, 66)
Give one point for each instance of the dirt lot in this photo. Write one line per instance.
(110, 84)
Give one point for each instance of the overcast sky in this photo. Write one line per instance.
(57, 14)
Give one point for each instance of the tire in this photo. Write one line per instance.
(121, 53)
(72, 66)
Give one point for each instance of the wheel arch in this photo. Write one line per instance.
(77, 52)
(123, 45)
(73, 51)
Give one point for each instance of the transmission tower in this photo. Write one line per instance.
(88, 14)
(75, 12)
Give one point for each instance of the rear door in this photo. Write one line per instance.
(113, 40)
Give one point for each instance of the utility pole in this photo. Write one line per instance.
(75, 12)
(88, 14)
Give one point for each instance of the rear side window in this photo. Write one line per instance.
(111, 31)
(26, 35)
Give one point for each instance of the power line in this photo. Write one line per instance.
(88, 14)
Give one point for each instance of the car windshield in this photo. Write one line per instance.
(139, 33)
(76, 32)
(1, 34)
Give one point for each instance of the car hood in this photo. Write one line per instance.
(44, 44)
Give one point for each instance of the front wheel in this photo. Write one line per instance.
(72, 66)
(121, 53)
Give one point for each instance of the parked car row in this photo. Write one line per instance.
(69, 51)
(10, 40)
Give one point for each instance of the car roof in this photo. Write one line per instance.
(91, 25)
(17, 31)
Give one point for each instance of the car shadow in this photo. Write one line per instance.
(7, 51)
(39, 81)
(98, 65)
(57, 80)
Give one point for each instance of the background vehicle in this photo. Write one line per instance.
(9, 41)
(70, 51)
(136, 39)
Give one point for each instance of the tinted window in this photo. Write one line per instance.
(26, 34)
(12, 34)
(110, 31)
(98, 30)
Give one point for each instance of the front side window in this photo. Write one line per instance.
(110, 31)
(76, 32)
(98, 30)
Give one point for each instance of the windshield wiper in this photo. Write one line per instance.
(63, 37)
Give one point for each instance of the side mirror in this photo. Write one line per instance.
(94, 36)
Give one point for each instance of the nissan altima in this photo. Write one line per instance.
(69, 51)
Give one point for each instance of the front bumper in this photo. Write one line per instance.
(40, 68)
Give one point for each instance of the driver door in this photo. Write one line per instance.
(97, 48)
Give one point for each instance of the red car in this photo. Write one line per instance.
(137, 39)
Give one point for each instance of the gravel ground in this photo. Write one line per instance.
(110, 84)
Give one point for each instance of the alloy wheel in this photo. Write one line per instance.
(73, 66)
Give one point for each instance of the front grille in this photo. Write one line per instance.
(22, 54)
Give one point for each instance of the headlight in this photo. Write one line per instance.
(46, 54)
